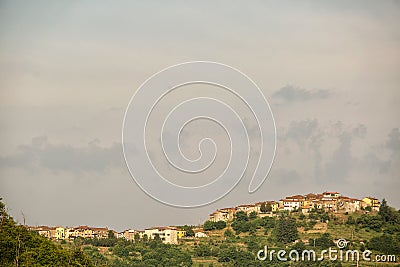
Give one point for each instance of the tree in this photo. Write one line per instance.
(228, 233)
(269, 207)
(324, 217)
(188, 229)
(209, 225)
(136, 237)
(227, 254)
(111, 234)
(325, 241)
(384, 211)
(202, 250)
(241, 216)
(240, 222)
(389, 214)
(220, 225)
(253, 215)
(263, 208)
(145, 238)
(268, 222)
(286, 230)
(240, 226)
(22, 247)
(385, 244)
(299, 246)
(190, 232)
(350, 220)
(266, 207)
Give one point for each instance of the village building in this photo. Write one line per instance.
(165, 233)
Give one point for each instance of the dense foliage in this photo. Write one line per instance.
(21, 247)
(210, 225)
(188, 229)
(286, 230)
(149, 253)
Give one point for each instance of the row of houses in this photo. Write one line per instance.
(327, 201)
(167, 234)
(59, 232)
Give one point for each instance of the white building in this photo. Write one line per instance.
(290, 205)
(167, 234)
(200, 234)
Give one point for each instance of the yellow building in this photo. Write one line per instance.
(180, 233)
(60, 233)
(274, 206)
(372, 202)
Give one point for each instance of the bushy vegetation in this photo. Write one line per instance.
(21, 247)
(188, 229)
(286, 230)
(210, 225)
(149, 253)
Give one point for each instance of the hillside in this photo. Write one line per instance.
(232, 243)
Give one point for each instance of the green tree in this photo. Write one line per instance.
(136, 237)
(209, 225)
(266, 207)
(299, 246)
(268, 222)
(228, 233)
(188, 229)
(22, 247)
(263, 207)
(387, 244)
(253, 215)
(202, 250)
(111, 234)
(389, 214)
(286, 230)
(241, 216)
(325, 241)
(324, 217)
(220, 225)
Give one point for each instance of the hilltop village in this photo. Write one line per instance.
(332, 202)
(327, 201)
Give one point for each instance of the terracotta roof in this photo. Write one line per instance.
(161, 228)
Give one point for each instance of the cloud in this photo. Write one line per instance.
(40, 153)
(341, 162)
(300, 132)
(332, 148)
(360, 131)
(393, 142)
(291, 94)
(287, 176)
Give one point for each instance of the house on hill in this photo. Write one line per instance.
(222, 215)
(372, 202)
(168, 235)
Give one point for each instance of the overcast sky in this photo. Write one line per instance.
(330, 71)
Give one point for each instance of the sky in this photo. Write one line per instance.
(329, 70)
